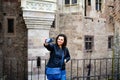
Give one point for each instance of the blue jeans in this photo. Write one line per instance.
(61, 76)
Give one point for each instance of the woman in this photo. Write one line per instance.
(59, 55)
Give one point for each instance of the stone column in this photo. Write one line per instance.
(38, 16)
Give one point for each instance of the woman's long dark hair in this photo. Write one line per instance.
(65, 39)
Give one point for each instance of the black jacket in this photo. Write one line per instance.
(56, 56)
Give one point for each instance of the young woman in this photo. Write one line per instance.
(59, 55)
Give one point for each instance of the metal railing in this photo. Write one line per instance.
(77, 69)
(14, 69)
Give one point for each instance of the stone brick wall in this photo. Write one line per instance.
(16, 44)
(1, 60)
(76, 27)
(14, 47)
(116, 16)
(116, 11)
(1, 64)
(113, 13)
(71, 25)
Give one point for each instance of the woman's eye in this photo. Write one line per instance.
(60, 39)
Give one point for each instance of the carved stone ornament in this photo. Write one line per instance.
(36, 5)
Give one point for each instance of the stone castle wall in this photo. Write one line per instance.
(14, 46)
(1, 54)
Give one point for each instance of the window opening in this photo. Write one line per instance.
(88, 43)
(110, 42)
(10, 25)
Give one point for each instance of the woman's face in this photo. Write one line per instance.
(60, 40)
